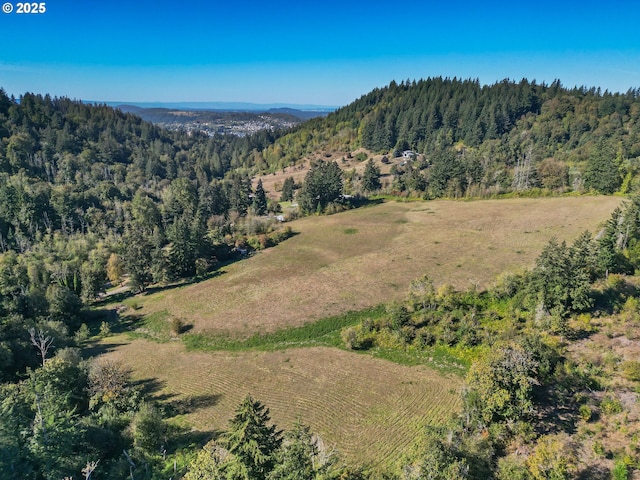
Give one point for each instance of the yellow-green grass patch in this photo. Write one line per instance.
(371, 410)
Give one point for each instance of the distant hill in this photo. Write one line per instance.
(222, 106)
(484, 139)
(302, 114)
(236, 122)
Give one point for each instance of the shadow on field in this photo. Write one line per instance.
(190, 404)
(150, 387)
(183, 437)
(173, 406)
(594, 472)
(116, 297)
(98, 349)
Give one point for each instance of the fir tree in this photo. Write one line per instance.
(371, 177)
(260, 200)
(252, 442)
(287, 190)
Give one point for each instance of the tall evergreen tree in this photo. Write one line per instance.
(260, 200)
(322, 185)
(602, 173)
(252, 442)
(287, 190)
(298, 456)
(371, 177)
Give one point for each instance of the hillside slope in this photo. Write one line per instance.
(485, 139)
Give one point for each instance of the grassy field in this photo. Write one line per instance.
(364, 257)
(370, 409)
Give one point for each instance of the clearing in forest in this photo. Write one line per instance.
(366, 256)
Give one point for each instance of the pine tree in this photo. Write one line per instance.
(299, 456)
(252, 442)
(601, 173)
(322, 185)
(287, 190)
(260, 200)
(371, 177)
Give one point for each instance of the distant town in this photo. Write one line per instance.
(223, 122)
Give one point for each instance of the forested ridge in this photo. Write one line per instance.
(480, 140)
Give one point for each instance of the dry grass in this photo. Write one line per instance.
(363, 257)
(272, 182)
(371, 410)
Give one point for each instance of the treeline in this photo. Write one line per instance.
(90, 195)
(481, 140)
(70, 167)
(69, 417)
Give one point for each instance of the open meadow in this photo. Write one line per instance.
(370, 409)
(366, 256)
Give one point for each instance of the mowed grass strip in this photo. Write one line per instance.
(324, 271)
(371, 410)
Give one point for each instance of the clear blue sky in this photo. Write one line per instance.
(325, 52)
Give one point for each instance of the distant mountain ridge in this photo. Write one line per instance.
(221, 106)
(235, 122)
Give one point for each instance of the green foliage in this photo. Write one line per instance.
(561, 281)
(300, 456)
(602, 171)
(620, 471)
(631, 370)
(252, 442)
(105, 329)
(149, 430)
(553, 458)
(287, 190)
(585, 412)
(371, 177)
(208, 464)
(322, 186)
(438, 460)
(500, 386)
(510, 468)
(322, 332)
(610, 405)
(260, 200)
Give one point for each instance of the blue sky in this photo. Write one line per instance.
(328, 52)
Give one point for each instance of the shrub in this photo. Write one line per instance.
(356, 339)
(424, 337)
(177, 326)
(620, 471)
(598, 448)
(631, 371)
(630, 310)
(554, 457)
(105, 329)
(585, 412)
(82, 334)
(610, 405)
(512, 468)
